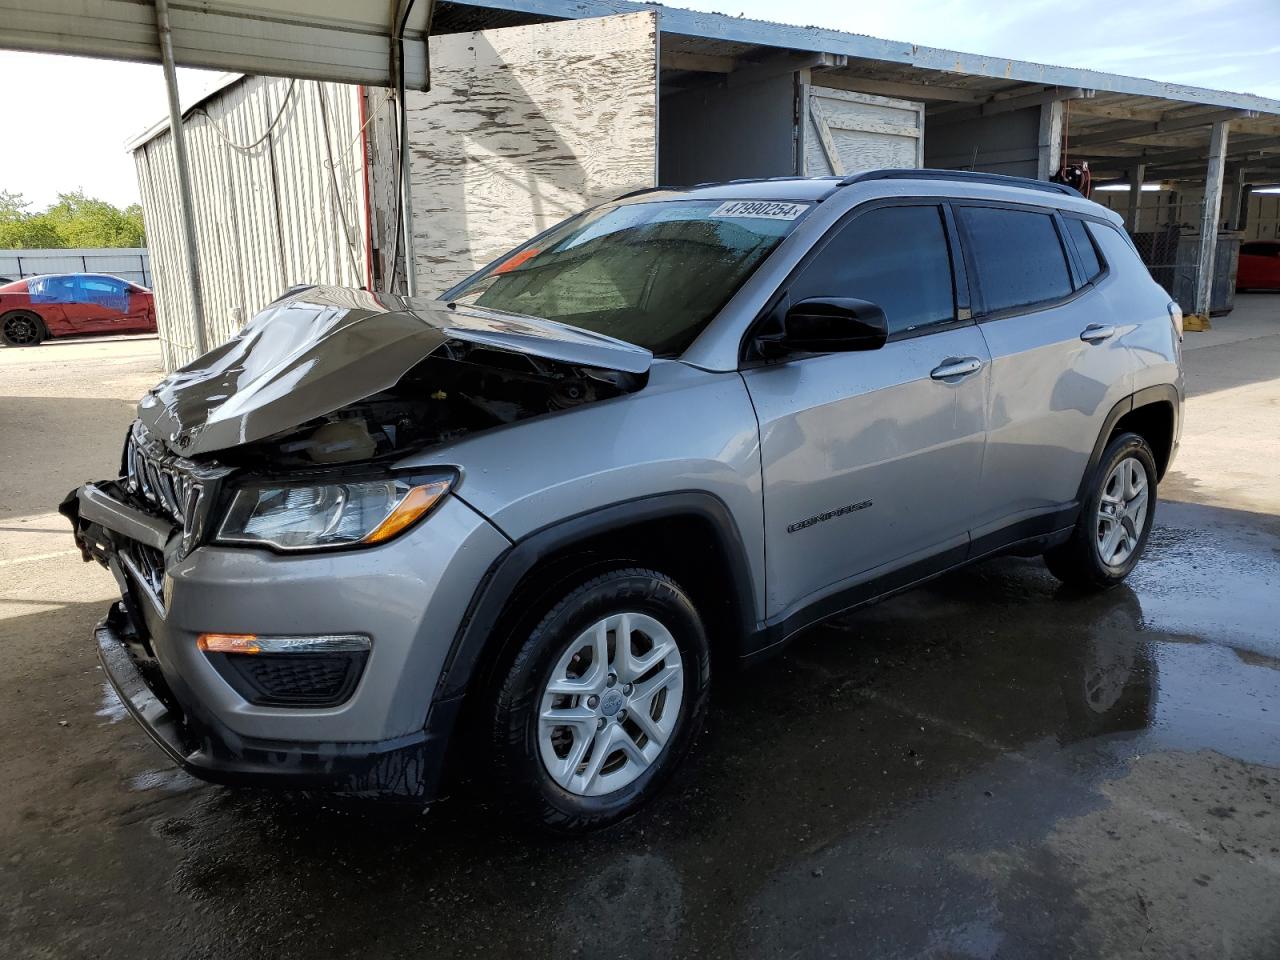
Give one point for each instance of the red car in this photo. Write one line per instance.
(64, 305)
(1259, 265)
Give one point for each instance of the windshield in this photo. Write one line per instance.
(652, 274)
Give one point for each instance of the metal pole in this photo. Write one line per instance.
(1136, 176)
(165, 31)
(1209, 216)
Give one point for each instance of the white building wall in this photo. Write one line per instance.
(272, 210)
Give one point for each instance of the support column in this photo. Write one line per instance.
(1238, 200)
(1049, 142)
(165, 32)
(1136, 175)
(1209, 215)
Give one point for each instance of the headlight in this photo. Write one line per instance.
(310, 517)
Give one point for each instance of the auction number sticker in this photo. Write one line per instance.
(760, 209)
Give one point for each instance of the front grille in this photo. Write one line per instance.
(164, 482)
(147, 564)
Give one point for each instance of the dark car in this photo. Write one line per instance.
(1259, 265)
(72, 304)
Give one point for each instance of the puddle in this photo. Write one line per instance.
(111, 709)
(170, 781)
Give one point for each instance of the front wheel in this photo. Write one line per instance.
(603, 700)
(1115, 518)
(21, 328)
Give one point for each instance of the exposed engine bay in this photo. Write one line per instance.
(458, 390)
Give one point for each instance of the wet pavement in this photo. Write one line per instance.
(985, 767)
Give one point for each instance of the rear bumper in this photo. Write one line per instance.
(407, 767)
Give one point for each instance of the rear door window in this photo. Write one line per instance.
(1085, 250)
(1018, 257)
(896, 257)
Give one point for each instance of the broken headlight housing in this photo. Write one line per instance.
(328, 515)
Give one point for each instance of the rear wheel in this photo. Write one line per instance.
(1115, 518)
(603, 700)
(21, 328)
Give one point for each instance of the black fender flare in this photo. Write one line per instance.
(489, 601)
(1147, 396)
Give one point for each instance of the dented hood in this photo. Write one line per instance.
(326, 347)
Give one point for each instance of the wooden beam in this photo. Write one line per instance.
(1240, 148)
(698, 62)
(1209, 215)
(892, 88)
(780, 65)
(1049, 141)
(1136, 176)
(1115, 111)
(998, 105)
(1130, 130)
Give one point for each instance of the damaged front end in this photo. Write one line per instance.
(307, 410)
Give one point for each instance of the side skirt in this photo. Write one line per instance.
(1027, 538)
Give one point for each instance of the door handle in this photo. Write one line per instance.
(953, 368)
(1097, 332)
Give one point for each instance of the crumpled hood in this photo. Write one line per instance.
(326, 347)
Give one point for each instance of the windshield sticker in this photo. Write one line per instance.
(759, 210)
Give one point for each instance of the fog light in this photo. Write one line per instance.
(250, 643)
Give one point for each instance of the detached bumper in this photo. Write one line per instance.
(408, 767)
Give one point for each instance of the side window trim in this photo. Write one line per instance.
(980, 313)
(954, 250)
(1105, 270)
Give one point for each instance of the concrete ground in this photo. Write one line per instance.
(982, 768)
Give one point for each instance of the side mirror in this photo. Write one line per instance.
(827, 325)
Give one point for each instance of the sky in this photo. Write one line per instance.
(77, 114)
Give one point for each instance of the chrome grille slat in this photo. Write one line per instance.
(156, 478)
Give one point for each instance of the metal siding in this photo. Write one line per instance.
(266, 218)
(127, 263)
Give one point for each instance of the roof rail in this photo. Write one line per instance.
(963, 176)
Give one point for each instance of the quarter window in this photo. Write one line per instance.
(1115, 246)
(1018, 256)
(895, 257)
(1084, 248)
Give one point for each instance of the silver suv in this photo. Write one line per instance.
(668, 433)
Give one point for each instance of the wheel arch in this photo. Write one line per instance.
(1153, 414)
(715, 569)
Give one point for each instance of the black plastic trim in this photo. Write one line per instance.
(499, 584)
(1147, 396)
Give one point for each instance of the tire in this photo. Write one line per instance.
(22, 328)
(599, 779)
(1090, 560)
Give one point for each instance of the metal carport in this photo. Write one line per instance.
(980, 112)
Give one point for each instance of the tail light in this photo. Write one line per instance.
(1175, 317)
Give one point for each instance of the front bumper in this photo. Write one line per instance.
(409, 595)
(408, 767)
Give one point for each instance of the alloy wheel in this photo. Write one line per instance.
(611, 704)
(21, 331)
(1122, 511)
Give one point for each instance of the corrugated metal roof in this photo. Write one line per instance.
(721, 28)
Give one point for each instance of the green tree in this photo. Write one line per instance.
(75, 220)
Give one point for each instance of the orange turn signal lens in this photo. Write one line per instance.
(412, 507)
(228, 643)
